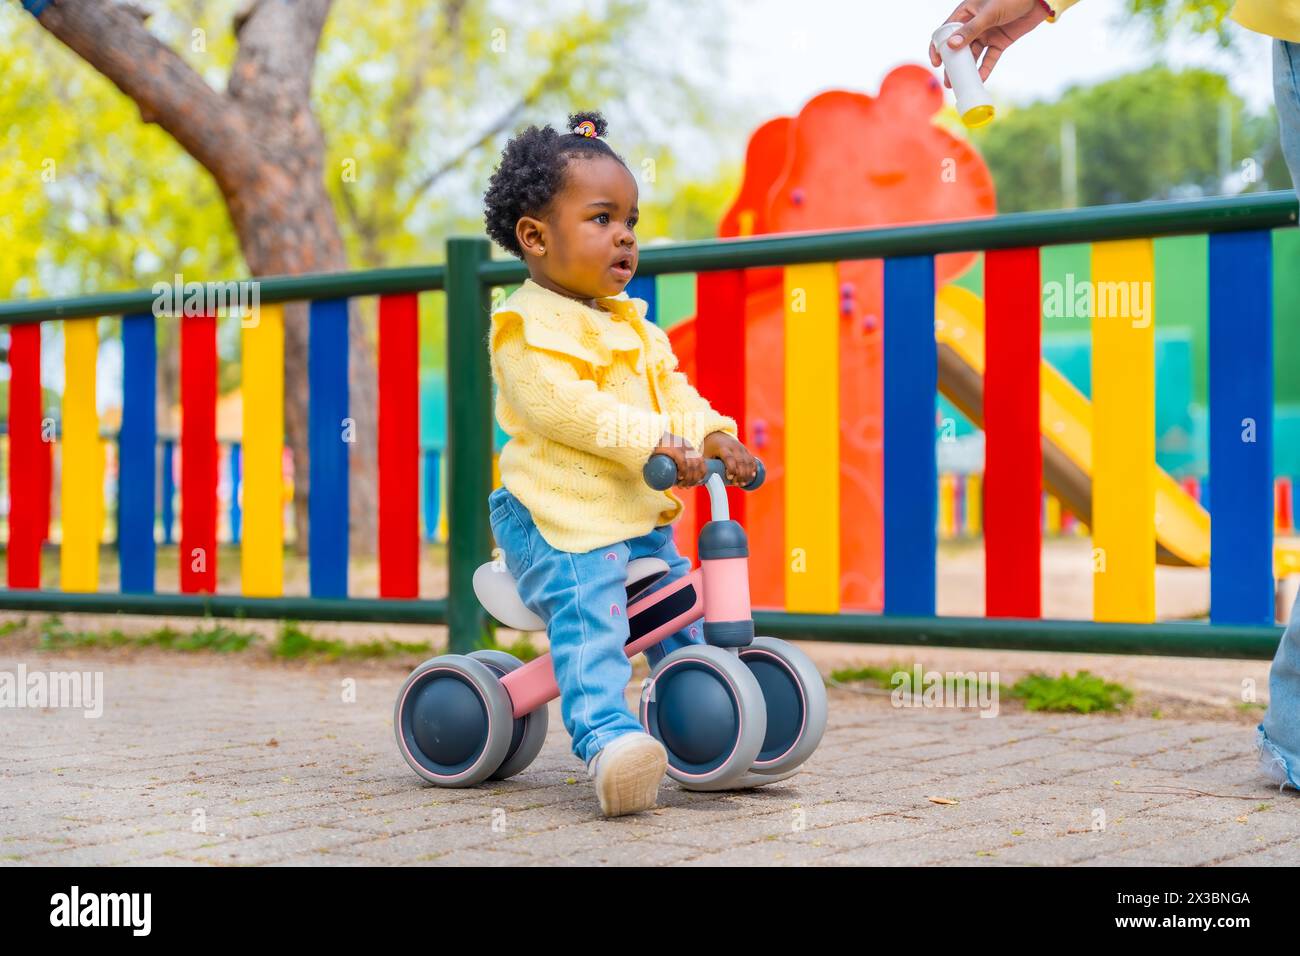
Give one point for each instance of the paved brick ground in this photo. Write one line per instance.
(281, 770)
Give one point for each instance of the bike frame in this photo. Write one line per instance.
(716, 590)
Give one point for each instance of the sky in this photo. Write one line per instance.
(786, 52)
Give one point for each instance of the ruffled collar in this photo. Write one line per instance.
(558, 323)
(619, 306)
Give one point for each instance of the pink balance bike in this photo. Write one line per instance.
(738, 711)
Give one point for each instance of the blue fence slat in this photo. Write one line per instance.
(1241, 428)
(911, 472)
(327, 407)
(643, 287)
(169, 491)
(236, 480)
(138, 462)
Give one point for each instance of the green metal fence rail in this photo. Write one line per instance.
(468, 278)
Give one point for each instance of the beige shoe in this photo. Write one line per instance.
(627, 772)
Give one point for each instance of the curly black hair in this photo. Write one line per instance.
(532, 172)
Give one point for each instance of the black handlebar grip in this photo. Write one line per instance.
(660, 472)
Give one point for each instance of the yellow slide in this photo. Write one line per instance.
(1182, 525)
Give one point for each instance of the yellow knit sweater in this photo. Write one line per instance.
(1275, 18)
(585, 396)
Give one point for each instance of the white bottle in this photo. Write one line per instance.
(973, 101)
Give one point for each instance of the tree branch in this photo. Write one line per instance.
(505, 119)
(277, 52)
(543, 84)
(112, 38)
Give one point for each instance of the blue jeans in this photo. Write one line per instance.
(1286, 92)
(583, 600)
(1279, 734)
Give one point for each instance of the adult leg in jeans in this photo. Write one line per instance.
(1286, 92)
(1279, 733)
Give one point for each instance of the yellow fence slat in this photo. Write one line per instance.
(973, 504)
(83, 460)
(947, 506)
(1123, 431)
(812, 439)
(1052, 515)
(262, 536)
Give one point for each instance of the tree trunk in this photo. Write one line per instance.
(262, 144)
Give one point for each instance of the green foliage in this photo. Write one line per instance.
(293, 642)
(415, 99)
(1154, 134)
(91, 198)
(521, 648)
(218, 638)
(1167, 17)
(1084, 692)
(899, 676)
(56, 637)
(880, 676)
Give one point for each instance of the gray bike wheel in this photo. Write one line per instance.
(795, 697)
(453, 721)
(529, 733)
(707, 709)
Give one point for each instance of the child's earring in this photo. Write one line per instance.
(541, 250)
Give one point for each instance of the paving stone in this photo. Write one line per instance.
(274, 846)
(1279, 854)
(423, 846)
(333, 790)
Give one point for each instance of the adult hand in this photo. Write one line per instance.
(990, 25)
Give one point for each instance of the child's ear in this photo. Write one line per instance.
(531, 234)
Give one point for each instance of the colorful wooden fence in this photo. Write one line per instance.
(1007, 503)
(817, 538)
(154, 475)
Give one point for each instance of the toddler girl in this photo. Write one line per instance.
(587, 392)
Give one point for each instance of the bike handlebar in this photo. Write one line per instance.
(660, 472)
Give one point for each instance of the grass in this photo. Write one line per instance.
(1083, 693)
(217, 638)
(521, 648)
(433, 561)
(880, 676)
(885, 677)
(292, 642)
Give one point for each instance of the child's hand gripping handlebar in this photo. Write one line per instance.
(660, 472)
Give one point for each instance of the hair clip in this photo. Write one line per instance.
(585, 128)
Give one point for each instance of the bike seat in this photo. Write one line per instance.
(497, 591)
